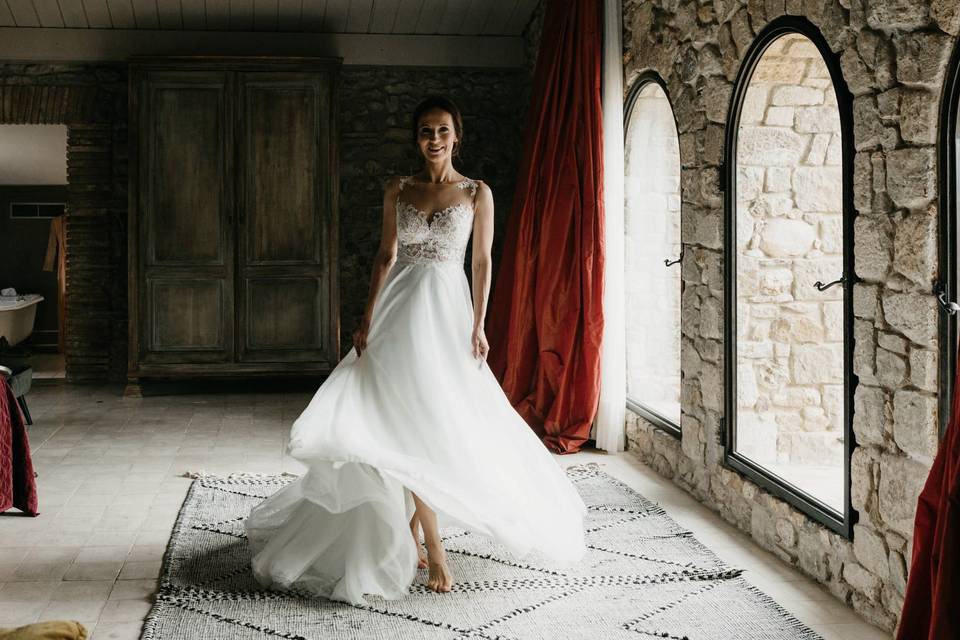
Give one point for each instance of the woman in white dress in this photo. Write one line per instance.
(411, 430)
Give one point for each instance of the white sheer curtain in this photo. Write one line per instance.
(608, 426)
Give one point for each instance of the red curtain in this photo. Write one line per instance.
(931, 609)
(546, 318)
(17, 486)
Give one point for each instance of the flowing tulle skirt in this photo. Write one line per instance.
(416, 412)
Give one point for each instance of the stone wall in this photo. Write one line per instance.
(893, 56)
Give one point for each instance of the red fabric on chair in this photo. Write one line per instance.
(931, 608)
(546, 318)
(17, 486)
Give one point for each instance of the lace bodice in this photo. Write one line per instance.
(438, 237)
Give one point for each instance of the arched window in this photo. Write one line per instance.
(949, 158)
(789, 272)
(652, 254)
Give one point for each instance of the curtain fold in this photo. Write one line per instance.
(611, 412)
(546, 316)
(932, 600)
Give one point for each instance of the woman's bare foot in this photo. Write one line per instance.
(439, 579)
(421, 554)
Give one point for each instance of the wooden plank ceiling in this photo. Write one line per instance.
(395, 17)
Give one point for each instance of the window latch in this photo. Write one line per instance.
(667, 262)
(949, 306)
(823, 287)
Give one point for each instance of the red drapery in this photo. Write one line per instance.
(17, 486)
(546, 317)
(931, 609)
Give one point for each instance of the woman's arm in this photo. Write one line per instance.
(384, 259)
(481, 265)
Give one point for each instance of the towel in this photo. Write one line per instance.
(55, 630)
(17, 485)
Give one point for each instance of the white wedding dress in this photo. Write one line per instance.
(415, 412)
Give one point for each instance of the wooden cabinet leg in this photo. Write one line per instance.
(133, 390)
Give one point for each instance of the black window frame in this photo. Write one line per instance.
(841, 523)
(652, 416)
(946, 286)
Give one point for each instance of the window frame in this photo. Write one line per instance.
(652, 416)
(946, 284)
(840, 522)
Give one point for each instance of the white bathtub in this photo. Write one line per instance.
(17, 314)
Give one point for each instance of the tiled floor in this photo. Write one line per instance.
(110, 481)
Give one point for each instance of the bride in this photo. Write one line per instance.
(411, 431)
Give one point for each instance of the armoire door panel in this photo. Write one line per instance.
(185, 203)
(285, 217)
(185, 315)
(280, 170)
(282, 312)
(185, 206)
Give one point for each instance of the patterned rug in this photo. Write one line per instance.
(643, 576)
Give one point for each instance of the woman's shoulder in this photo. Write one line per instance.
(479, 186)
(393, 184)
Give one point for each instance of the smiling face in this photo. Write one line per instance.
(436, 136)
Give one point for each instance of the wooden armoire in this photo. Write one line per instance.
(233, 217)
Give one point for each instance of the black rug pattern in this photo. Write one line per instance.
(643, 576)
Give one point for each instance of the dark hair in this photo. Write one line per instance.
(443, 104)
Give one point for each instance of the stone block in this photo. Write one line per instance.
(817, 119)
(915, 248)
(769, 147)
(915, 426)
(911, 176)
(810, 554)
(901, 480)
(778, 179)
(716, 99)
(833, 320)
(870, 415)
(924, 372)
(867, 128)
(819, 189)
(871, 237)
(864, 350)
(774, 282)
(831, 233)
(892, 342)
(862, 485)
(918, 117)
(796, 96)
(865, 300)
(817, 153)
(785, 238)
(861, 580)
(779, 117)
(870, 550)
(891, 369)
(749, 181)
(921, 56)
(905, 15)
(855, 71)
(898, 572)
(817, 363)
(914, 315)
(946, 13)
(862, 182)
